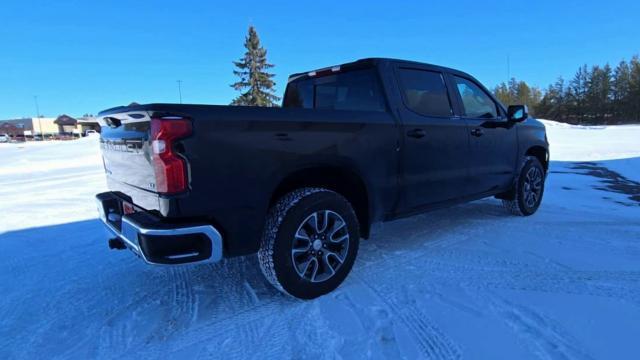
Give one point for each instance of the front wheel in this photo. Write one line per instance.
(310, 242)
(528, 188)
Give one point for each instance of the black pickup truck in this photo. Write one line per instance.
(363, 142)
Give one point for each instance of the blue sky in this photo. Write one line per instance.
(84, 56)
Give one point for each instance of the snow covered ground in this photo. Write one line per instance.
(467, 282)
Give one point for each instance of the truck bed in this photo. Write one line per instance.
(236, 155)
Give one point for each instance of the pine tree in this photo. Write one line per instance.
(535, 98)
(621, 89)
(606, 89)
(598, 92)
(513, 91)
(523, 92)
(544, 107)
(554, 102)
(518, 93)
(501, 92)
(254, 78)
(634, 90)
(577, 93)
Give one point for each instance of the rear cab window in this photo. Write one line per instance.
(354, 90)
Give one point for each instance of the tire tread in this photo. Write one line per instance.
(276, 216)
(512, 205)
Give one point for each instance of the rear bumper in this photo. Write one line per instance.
(159, 242)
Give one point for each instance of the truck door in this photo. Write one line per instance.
(435, 142)
(493, 141)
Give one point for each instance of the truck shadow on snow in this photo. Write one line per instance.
(609, 180)
(67, 274)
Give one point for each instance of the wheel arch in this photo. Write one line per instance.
(541, 153)
(344, 181)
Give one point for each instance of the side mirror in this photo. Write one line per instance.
(517, 113)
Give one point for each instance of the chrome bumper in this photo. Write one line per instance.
(131, 231)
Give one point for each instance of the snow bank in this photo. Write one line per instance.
(592, 143)
(44, 183)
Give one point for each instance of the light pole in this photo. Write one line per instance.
(35, 99)
(508, 67)
(180, 89)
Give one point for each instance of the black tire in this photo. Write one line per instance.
(521, 204)
(285, 221)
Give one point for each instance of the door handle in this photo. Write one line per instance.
(477, 132)
(417, 133)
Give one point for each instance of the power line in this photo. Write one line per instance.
(180, 90)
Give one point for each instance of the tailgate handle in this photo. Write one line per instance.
(113, 122)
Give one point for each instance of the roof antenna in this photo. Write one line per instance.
(180, 89)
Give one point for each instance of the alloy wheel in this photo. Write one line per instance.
(320, 246)
(532, 190)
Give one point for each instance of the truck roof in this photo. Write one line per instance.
(367, 62)
(358, 64)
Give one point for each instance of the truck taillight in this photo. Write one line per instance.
(170, 168)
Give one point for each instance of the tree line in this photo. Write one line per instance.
(595, 95)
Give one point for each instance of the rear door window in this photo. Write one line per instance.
(425, 92)
(476, 102)
(357, 90)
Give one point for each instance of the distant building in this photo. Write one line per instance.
(10, 129)
(62, 126)
(66, 125)
(30, 127)
(88, 122)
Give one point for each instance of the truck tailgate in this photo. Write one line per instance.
(126, 152)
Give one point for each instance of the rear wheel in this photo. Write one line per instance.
(528, 189)
(310, 242)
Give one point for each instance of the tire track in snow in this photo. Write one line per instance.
(58, 313)
(184, 302)
(238, 334)
(622, 286)
(479, 269)
(216, 307)
(153, 313)
(122, 329)
(481, 272)
(618, 285)
(376, 321)
(433, 342)
(549, 340)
